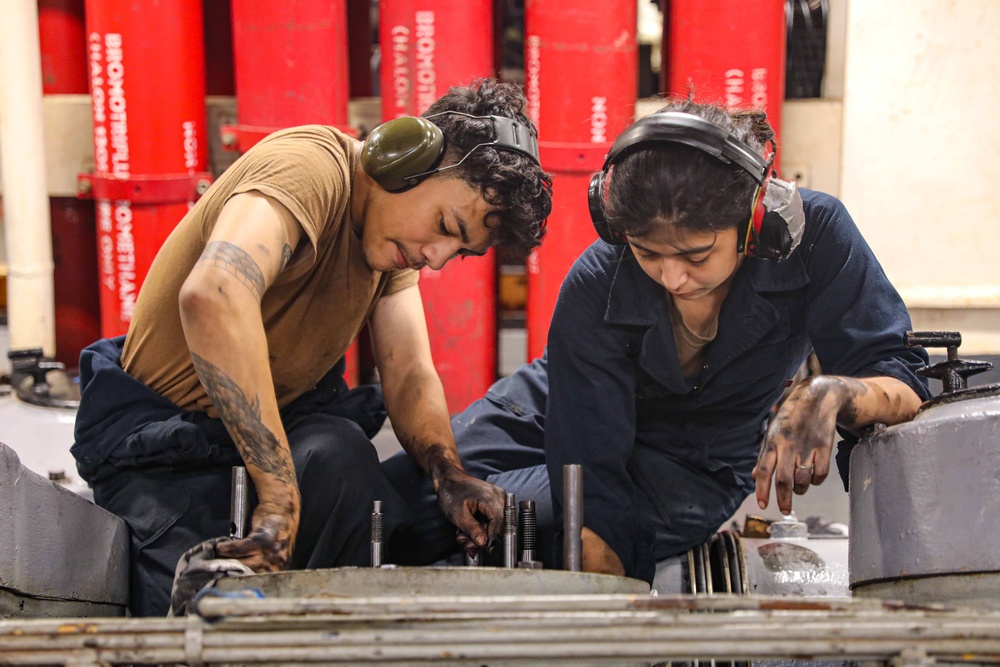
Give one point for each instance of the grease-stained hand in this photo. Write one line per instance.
(474, 506)
(268, 547)
(799, 440)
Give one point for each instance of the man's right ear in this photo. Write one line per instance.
(398, 154)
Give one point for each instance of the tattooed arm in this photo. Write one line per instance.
(799, 441)
(220, 310)
(415, 401)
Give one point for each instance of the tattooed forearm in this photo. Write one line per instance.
(286, 254)
(235, 261)
(258, 444)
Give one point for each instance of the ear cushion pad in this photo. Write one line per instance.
(400, 149)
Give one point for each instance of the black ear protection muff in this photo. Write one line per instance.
(402, 152)
(769, 233)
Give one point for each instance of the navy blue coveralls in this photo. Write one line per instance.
(666, 460)
(166, 471)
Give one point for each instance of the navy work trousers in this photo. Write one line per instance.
(170, 509)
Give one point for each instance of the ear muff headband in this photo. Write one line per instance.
(685, 128)
(403, 152)
(690, 130)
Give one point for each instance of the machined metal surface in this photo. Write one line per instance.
(925, 495)
(56, 545)
(967, 590)
(514, 630)
(391, 580)
(735, 565)
(809, 567)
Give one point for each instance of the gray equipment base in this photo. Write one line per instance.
(59, 553)
(416, 581)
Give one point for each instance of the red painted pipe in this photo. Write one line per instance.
(291, 68)
(147, 79)
(62, 40)
(733, 54)
(428, 46)
(581, 72)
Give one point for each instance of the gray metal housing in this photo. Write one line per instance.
(60, 555)
(925, 498)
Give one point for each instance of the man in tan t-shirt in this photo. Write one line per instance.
(248, 308)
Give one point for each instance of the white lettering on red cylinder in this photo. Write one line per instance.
(100, 149)
(190, 146)
(106, 245)
(734, 87)
(125, 256)
(118, 115)
(401, 70)
(424, 48)
(758, 77)
(598, 120)
(98, 93)
(98, 96)
(532, 69)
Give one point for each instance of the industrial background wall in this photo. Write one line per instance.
(900, 133)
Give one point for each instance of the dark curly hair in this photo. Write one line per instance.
(514, 184)
(682, 185)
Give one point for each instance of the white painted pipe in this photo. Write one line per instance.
(30, 296)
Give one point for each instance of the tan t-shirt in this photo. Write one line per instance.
(691, 346)
(316, 306)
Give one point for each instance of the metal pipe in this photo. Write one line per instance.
(376, 533)
(239, 503)
(624, 630)
(27, 227)
(573, 517)
(509, 532)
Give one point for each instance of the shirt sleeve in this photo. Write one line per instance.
(591, 415)
(400, 279)
(303, 170)
(855, 317)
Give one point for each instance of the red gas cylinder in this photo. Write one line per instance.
(731, 52)
(290, 62)
(428, 46)
(581, 67)
(290, 67)
(62, 39)
(147, 81)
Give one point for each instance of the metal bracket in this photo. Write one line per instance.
(144, 188)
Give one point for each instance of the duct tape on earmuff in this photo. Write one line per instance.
(784, 221)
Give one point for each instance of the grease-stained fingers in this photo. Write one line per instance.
(762, 476)
(822, 462)
(803, 478)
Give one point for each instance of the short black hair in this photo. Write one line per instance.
(682, 185)
(516, 186)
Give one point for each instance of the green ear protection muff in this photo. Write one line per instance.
(402, 152)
